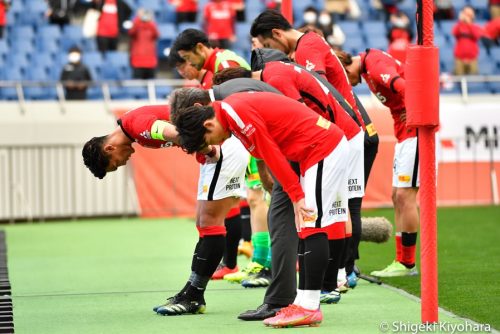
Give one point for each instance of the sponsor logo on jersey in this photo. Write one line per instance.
(353, 185)
(205, 188)
(404, 178)
(309, 65)
(323, 123)
(385, 77)
(145, 134)
(337, 209)
(234, 183)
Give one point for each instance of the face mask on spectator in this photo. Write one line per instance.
(310, 17)
(146, 17)
(74, 57)
(399, 23)
(325, 19)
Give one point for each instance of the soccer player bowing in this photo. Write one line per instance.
(277, 129)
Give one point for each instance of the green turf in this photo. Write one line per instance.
(468, 253)
(105, 276)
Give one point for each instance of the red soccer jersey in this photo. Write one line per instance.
(185, 5)
(301, 85)
(137, 125)
(3, 15)
(313, 52)
(210, 62)
(385, 77)
(219, 18)
(206, 82)
(276, 129)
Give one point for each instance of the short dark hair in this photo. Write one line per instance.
(174, 59)
(188, 39)
(267, 21)
(186, 97)
(344, 57)
(189, 124)
(94, 157)
(231, 73)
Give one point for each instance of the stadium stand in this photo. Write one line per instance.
(33, 50)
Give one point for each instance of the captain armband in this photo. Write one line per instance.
(157, 129)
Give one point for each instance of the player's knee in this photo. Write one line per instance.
(404, 198)
(255, 198)
(209, 218)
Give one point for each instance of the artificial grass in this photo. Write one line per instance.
(105, 276)
(468, 253)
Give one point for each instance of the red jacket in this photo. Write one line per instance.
(492, 29)
(186, 6)
(219, 19)
(143, 44)
(3, 14)
(108, 21)
(277, 129)
(467, 36)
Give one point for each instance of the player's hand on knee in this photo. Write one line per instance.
(302, 214)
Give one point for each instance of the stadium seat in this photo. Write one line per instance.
(487, 67)
(93, 59)
(17, 59)
(51, 31)
(43, 59)
(186, 25)
(22, 45)
(446, 26)
(167, 31)
(167, 14)
(10, 74)
(242, 36)
(117, 58)
(47, 45)
(39, 93)
(350, 28)
(4, 47)
(354, 44)
(495, 55)
(377, 42)
(253, 9)
(478, 88)
(34, 18)
(24, 32)
(374, 29)
(154, 5)
(135, 93)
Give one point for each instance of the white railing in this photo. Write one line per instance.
(39, 182)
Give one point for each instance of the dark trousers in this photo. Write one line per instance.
(107, 44)
(144, 73)
(284, 245)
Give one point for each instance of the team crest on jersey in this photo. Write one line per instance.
(145, 134)
(310, 66)
(385, 77)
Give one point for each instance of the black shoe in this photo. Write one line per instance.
(262, 312)
(183, 305)
(169, 301)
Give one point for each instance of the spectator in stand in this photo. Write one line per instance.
(239, 8)
(143, 37)
(467, 35)
(58, 12)
(185, 10)
(331, 31)
(338, 8)
(4, 6)
(492, 32)
(219, 19)
(75, 76)
(113, 14)
(494, 6)
(443, 10)
(310, 18)
(400, 35)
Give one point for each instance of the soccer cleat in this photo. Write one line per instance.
(222, 270)
(169, 301)
(329, 297)
(262, 279)
(295, 315)
(245, 248)
(253, 268)
(352, 280)
(395, 269)
(183, 305)
(342, 285)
